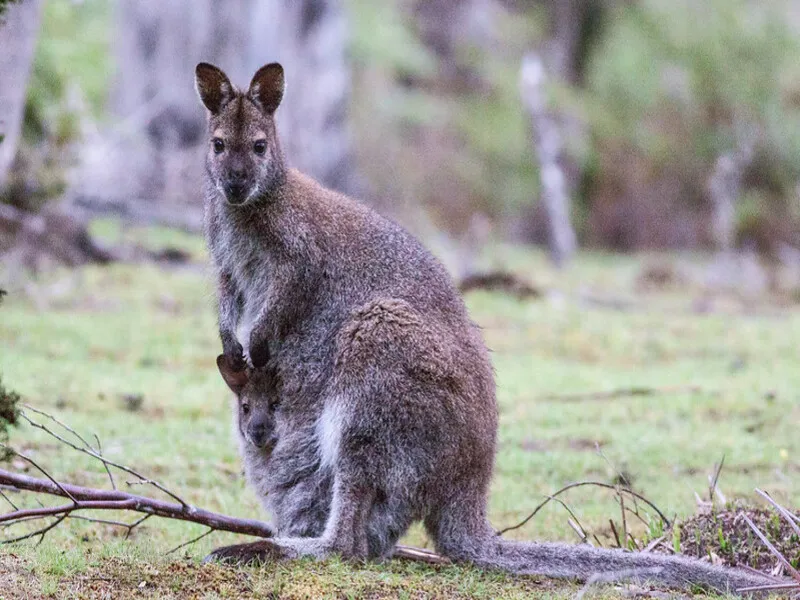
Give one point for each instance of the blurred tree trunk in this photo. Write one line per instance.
(548, 144)
(309, 37)
(155, 151)
(19, 28)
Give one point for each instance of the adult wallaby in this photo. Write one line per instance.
(387, 391)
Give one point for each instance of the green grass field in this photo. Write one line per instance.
(725, 369)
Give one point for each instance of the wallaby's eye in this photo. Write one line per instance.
(245, 408)
(219, 146)
(260, 147)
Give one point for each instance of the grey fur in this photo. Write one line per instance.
(388, 413)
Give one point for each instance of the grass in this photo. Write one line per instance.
(77, 343)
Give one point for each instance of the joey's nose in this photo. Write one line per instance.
(259, 436)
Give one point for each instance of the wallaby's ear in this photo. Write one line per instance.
(236, 380)
(266, 87)
(213, 87)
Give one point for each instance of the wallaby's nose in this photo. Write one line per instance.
(259, 435)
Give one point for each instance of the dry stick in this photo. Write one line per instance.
(572, 514)
(419, 555)
(105, 466)
(60, 423)
(40, 532)
(784, 513)
(7, 499)
(787, 565)
(581, 484)
(770, 587)
(191, 541)
(624, 520)
(45, 473)
(105, 461)
(712, 484)
(95, 499)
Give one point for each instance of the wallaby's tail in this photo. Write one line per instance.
(585, 562)
(470, 538)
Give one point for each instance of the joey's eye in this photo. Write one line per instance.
(260, 147)
(219, 145)
(245, 408)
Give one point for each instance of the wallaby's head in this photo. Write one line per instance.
(244, 159)
(257, 400)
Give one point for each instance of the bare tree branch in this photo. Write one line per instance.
(607, 486)
(97, 499)
(99, 457)
(192, 541)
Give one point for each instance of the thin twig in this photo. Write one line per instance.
(192, 541)
(581, 484)
(573, 515)
(104, 460)
(101, 521)
(105, 465)
(614, 531)
(41, 469)
(653, 544)
(59, 423)
(786, 564)
(419, 555)
(40, 532)
(770, 587)
(135, 524)
(712, 487)
(792, 519)
(578, 530)
(7, 499)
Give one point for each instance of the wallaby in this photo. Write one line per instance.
(387, 408)
(299, 504)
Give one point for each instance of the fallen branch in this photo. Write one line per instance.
(94, 499)
(582, 484)
(99, 499)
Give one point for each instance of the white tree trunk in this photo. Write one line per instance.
(19, 28)
(155, 152)
(548, 145)
(724, 185)
(309, 37)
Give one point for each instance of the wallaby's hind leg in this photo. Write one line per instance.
(345, 533)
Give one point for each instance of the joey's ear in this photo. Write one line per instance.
(266, 87)
(213, 87)
(236, 380)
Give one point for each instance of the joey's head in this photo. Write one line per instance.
(244, 160)
(257, 399)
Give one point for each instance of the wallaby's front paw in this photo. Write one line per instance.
(259, 352)
(245, 554)
(234, 352)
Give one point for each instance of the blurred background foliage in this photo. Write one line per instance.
(658, 91)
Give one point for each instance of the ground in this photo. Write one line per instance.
(127, 353)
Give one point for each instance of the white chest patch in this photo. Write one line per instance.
(329, 432)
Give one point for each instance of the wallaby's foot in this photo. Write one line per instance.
(245, 554)
(279, 549)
